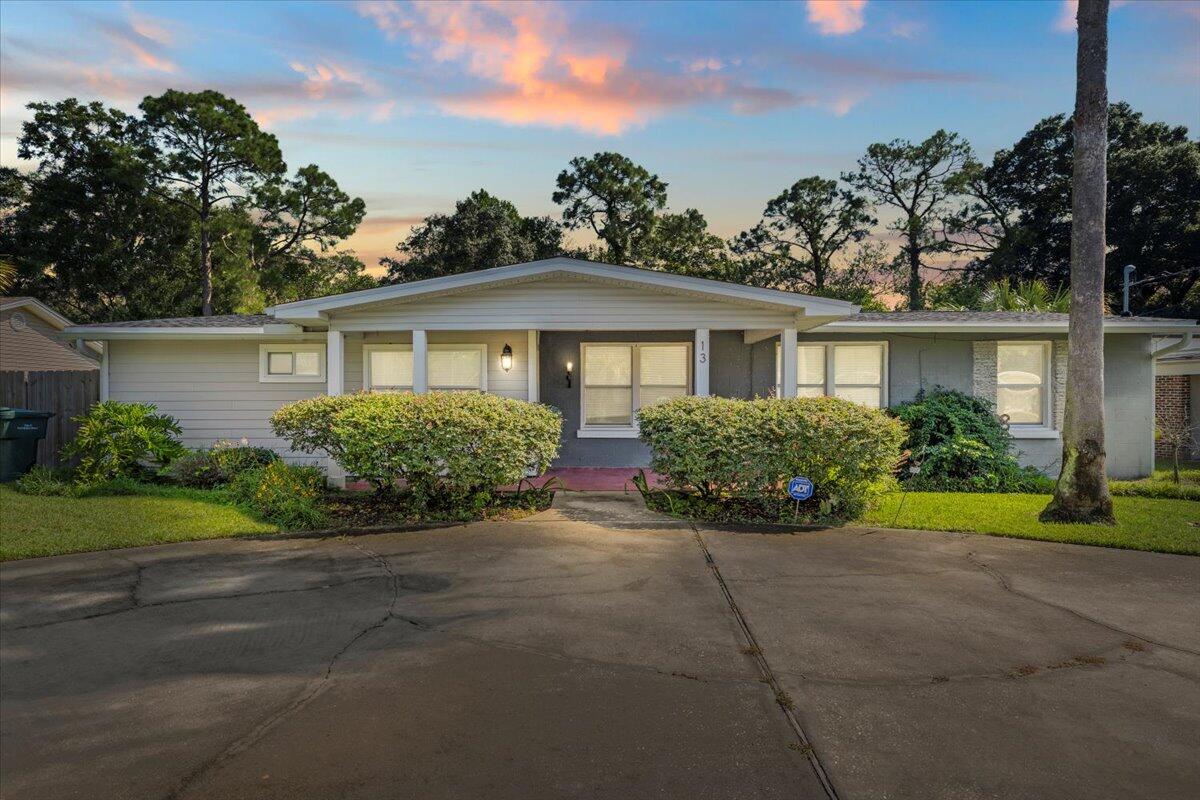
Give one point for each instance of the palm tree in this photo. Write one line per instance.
(1081, 494)
(1004, 295)
(8, 274)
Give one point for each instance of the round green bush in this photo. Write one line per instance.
(748, 449)
(452, 449)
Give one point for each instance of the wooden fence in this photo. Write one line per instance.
(68, 393)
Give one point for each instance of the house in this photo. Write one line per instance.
(1177, 392)
(597, 341)
(28, 343)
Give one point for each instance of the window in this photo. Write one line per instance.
(291, 363)
(618, 379)
(1021, 380)
(449, 367)
(853, 371)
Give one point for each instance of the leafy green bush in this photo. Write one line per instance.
(958, 444)
(44, 482)
(284, 494)
(114, 439)
(452, 449)
(204, 469)
(736, 450)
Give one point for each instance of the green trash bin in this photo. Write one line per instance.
(20, 432)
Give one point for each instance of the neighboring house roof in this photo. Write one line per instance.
(1000, 321)
(28, 338)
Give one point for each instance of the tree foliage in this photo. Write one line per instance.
(1016, 220)
(682, 243)
(917, 180)
(615, 198)
(484, 231)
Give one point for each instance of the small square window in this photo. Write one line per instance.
(279, 363)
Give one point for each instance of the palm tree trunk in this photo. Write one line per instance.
(1081, 494)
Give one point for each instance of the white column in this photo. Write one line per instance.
(700, 356)
(335, 363)
(104, 370)
(787, 356)
(534, 355)
(420, 362)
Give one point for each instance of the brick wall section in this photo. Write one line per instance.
(1172, 404)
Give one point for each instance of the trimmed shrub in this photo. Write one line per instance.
(284, 494)
(451, 449)
(727, 449)
(204, 469)
(115, 440)
(233, 458)
(958, 444)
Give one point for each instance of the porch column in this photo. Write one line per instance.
(335, 384)
(534, 356)
(787, 359)
(335, 363)
(420, 362)
(700, 357)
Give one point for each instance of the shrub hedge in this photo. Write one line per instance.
(958, 444)
(748, 449)
(205, 469)
(451, 449)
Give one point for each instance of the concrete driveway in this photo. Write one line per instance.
(597, 650)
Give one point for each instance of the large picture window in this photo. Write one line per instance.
(450, 367)
(1022, 370)
(854, 371)
(618, 379)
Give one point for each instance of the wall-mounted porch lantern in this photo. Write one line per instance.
(570, 366)
(506, 358)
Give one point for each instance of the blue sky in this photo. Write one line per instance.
(412, 105)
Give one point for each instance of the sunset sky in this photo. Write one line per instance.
(413, 105)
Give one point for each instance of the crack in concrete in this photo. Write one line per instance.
(162, 603)
(1004, 582)
(310, 693)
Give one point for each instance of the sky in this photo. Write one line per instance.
(412, 106)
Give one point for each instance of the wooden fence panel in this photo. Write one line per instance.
(68, 393)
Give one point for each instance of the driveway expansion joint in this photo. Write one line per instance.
(753, 649)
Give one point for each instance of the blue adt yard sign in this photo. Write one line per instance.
(800, 488)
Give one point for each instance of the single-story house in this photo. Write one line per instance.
(28, 339)
(598, 341)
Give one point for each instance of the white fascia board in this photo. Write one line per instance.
(104, 333)
(852, 326)
(308, 309)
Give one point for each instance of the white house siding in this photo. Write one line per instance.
(514, 383)
(560, 305)
(211, 387)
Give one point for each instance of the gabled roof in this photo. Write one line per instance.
(1000, 322)
(43, 312)
(318, 309)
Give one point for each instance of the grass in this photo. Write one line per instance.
(32, 526)
(1159, 525)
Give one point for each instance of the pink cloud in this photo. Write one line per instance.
(534, 68)
(322, 77)
(1065, 22)
(143, 38)
(837, 17)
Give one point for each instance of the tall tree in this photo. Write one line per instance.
(682, 243)
(84, 229)
(916, 180)
(1016, 217)
(1081, 494)
(210, 150)
(484, 231)
(615, 198)
(804, 230)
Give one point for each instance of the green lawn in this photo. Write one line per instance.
(1166, 526)
(49, 526)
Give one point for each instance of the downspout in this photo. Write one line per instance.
(1184, 341)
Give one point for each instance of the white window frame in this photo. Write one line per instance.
(1032, 430)
(264, 351)
(830, 377)
(623, 431)
(479, 347)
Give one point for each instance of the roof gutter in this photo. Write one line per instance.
(1184, 341)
